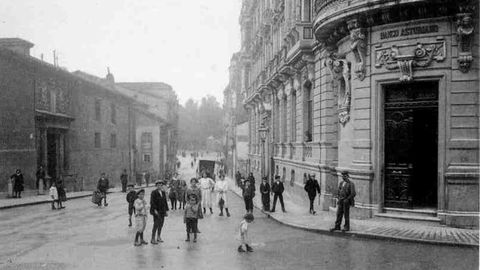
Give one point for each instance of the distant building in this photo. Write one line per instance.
(384, 90)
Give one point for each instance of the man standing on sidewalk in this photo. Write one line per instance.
(346, 194)
(102, 186)
(312, 187)
(41, 176)
(277, 189)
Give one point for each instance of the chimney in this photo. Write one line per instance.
(17, 45)
(110, 77)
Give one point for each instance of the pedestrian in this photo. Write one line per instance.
(18, 182)
(206, 184)
(238, 176)
(312, 187)
(192, 213)
(251, 178)
(277, 189)
(265, 191)
(194, 189)
(147, 178)
(172, 195)
(62, 195)
(244, 239)
(345, 198)
(131, 197)
(40, 175)
(221, 187)
(53, 195)
(140, 217)
(102, 186)
(124, 180)
(181, 189)
(158, 209)
(248, 194)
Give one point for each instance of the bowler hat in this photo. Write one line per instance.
(159, 182)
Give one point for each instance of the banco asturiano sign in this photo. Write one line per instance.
(408, 31)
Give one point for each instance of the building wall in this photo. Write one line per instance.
(17, 120)
(87, 161)
(348, 133)
(146, 124)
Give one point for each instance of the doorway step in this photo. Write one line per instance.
(424, 215)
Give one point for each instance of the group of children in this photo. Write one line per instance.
(57, 195)
(137, 205)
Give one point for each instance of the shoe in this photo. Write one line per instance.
(211, 211)
(187, 240)
(153, 242)
(194, 240)
(144, 243)
(99, 204)
(221, 215)
(313, 213)
(130, 225)
(228, 214)
(284, 211)
(105, 204)
(273, 211)
(159, 240)
(345, 229)
(240, 249)
(137, 244)
(335, 229)
(249, 248)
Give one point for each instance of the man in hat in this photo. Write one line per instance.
(345, 195)
(158, 209)
(277, 189)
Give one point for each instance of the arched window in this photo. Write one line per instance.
(292, 178)
(308, 111)
(306, 10)
(293, 137)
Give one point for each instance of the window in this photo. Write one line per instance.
(53, 101)
(113, 140)
(284, 119)
(308, 108)
(98, 113)
(293, 137)
(98, 140)
(146, 140)
(306, 7)
(147, 158)
(113, 111)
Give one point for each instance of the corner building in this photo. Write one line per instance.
(385, 90)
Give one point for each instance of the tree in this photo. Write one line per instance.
(198, 122)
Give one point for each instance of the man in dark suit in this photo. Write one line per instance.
(277, 189)
(158, 209)
(346, 194)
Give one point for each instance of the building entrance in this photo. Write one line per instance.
(411, 145)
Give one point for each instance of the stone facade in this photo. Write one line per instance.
(385, 90)
(74, 124)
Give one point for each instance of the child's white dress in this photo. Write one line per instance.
(53, 192)
(140, 215)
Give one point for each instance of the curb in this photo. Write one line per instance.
(48, 201)
(353, 234)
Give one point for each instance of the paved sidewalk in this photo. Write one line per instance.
(378, 228)
(39, 199)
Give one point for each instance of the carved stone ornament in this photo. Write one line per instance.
(464, 36)
(359, 47)
(280, 92)
(341, 81)
(406, 57)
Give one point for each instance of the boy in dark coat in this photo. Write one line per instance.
(17, 179)
(131, 197)
(158, 209)
(312, 187)
(277, 189)
(248, 194)
(265, 191)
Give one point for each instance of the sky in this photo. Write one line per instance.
(185, 43)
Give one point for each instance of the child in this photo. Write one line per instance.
(244, 240)
(181, 189)
(140, 217)
(53, 195)
(131, 197)
(172, 195)
(248, 194)
(192, 213)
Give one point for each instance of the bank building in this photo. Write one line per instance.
(384, 90)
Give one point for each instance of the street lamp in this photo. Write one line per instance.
(263, 131)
